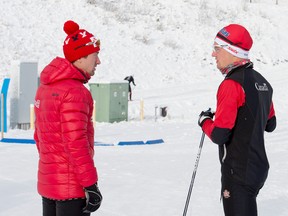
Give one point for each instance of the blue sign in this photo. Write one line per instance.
(3, 104)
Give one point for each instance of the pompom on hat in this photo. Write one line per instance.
(79, 42)
(235, 39)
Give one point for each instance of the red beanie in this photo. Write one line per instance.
(236, 39)
(79, 42)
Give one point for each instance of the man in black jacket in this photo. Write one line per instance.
(130, 79)
(244, 111)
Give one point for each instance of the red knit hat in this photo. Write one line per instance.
(79, 42)
(236, 40)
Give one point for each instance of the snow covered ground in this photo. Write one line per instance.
(167, 47)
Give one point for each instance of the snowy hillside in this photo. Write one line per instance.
(158, 41)
(166, 45)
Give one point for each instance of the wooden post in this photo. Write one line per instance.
(94, 113)
(141, 109)
(32, 117)
(156, 107)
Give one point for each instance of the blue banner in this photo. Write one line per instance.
(4, 91)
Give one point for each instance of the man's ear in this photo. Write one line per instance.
(77, 62)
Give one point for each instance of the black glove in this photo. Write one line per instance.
(93, 199)
(204, 115)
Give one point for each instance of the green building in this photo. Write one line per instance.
(111, 101)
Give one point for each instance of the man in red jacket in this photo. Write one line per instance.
(64, 133)
(244, 111)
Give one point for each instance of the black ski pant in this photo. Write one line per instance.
(63, 208)
(238, 200)
(130, 93)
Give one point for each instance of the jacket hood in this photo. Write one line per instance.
(61, 69)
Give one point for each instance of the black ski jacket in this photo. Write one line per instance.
(245, 156)
(241, 148)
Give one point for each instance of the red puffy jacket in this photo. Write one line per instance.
(64, 132)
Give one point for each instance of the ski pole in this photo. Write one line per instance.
(194, 174)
